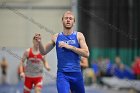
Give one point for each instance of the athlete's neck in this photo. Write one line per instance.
(35, 48)
(67, 31)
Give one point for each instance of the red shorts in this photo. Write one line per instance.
(30, 81)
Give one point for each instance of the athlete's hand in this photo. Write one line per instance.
(64, 45)
(48, 68)
(22, 75)
(37, 37)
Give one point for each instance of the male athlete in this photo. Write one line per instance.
(70, 45)
(33, 69)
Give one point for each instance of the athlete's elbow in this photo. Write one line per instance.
(42, 53)
(87, 55)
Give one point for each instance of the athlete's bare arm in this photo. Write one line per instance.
(21, 68)
(83, 50)
(46, 65)
(49, 46)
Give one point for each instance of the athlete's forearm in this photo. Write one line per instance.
(81, 52)
(41, 49)
(83, 65)
(21, 67)
(47, 49)
(46, 65)
(49, 46)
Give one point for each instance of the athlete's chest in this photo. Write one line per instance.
(35, 58)
(70, 40)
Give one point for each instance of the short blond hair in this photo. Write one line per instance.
(68, 12)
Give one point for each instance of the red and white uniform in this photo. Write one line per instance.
(33, 70)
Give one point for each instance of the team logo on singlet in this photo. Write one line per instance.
(69, 42)
(35, 60)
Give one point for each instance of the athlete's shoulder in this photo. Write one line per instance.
(27, 50)
(26, 53)
(80, 35)
(54, 37)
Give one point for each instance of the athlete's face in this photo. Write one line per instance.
(35, 43)
(68, 20)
